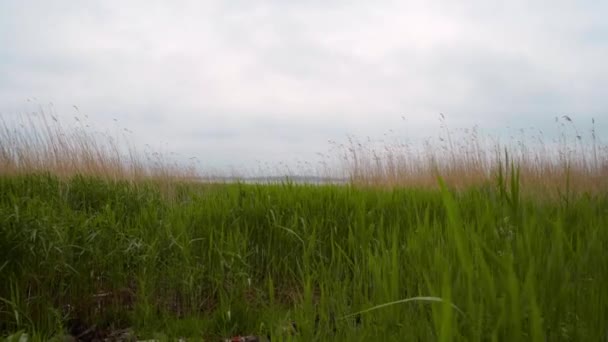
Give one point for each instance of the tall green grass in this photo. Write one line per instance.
(299, 262)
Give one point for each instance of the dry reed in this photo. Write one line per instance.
(39, 142)
(570, 162)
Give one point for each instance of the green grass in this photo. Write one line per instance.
(342, 263)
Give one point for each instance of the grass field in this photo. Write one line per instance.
(98, 241)
(300, 262)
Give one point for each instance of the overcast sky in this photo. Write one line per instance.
(231, 82)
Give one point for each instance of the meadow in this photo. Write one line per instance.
(146, 252)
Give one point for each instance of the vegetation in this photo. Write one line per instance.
(567, 157)
(219, 260)
(93, 242)
(40, 142)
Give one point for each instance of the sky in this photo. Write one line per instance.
(235, 83)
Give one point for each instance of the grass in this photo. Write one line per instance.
(41, 142)
(568, 159)
(454, 242)
(301, 262)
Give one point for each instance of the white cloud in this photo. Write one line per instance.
(274, 80)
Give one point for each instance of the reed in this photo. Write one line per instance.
(436, 243)
(40, 142)
(466, 158)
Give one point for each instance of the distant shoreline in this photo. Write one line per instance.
(275, 179)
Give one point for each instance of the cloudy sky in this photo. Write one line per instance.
(232, 82)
